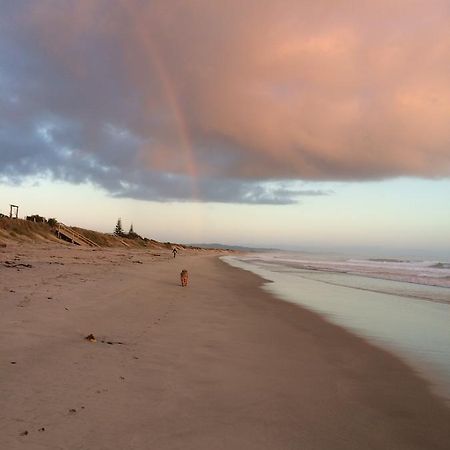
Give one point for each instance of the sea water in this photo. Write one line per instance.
(401, 305)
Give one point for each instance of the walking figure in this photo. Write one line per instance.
(174, 251)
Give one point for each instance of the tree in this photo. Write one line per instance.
(132, 234)
(36, 218)
(119, 230)
(52, 222)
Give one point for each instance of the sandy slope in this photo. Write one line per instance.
(217, 365)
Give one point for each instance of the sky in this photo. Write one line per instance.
(285, 123)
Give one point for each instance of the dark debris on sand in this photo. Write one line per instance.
(91, 338)
(11, 265)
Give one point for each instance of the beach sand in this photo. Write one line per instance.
(219, 364)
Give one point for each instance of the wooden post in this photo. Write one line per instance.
(13, 212)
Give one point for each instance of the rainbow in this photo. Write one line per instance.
(170, 96)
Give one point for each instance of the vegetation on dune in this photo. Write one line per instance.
(39, 219)
(36, 228)
(36, 218)
(44, 230)
(111, 240)
(52, 222)
(102, 239)
(25, 229)
(132, 234)
(118, 231)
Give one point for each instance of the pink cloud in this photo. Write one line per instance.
(260, 89)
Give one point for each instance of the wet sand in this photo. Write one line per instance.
(217, 365)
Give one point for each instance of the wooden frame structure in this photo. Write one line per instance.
(13, 212)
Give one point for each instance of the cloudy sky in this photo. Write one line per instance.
(278, 122)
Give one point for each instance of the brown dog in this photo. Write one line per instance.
(184, 277)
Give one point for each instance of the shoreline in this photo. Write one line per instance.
(375, 315)
(220, 364)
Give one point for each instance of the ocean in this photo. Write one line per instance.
(399, 304)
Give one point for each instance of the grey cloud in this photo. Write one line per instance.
(222, 101)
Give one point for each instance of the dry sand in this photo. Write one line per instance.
(217, 365)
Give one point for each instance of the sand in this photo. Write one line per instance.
(217, 365)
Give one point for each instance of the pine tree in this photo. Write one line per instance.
(132, 234)
(118, 230)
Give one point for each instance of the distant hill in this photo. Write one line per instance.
(238, 248)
